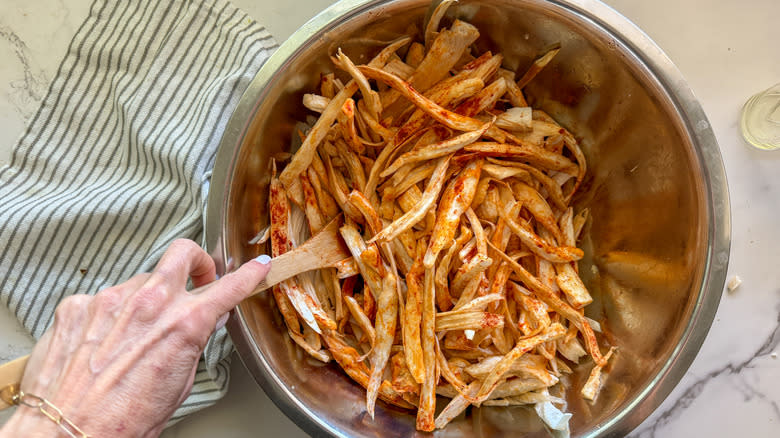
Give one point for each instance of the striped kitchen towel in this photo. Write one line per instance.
(114, 165)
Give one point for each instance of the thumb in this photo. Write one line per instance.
(227, 292)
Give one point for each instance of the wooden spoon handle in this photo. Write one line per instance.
(10, 379)
(286, 266)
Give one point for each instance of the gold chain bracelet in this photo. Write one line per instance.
(18, 397)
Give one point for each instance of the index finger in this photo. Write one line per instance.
(226, 293)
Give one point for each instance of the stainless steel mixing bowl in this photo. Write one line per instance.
(657, 248)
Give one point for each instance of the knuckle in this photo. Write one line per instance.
(191, 325)
(151, 295)
(137, 279)
(164, 274)
(185, 243)
(183, 246)
(149, 301)
(107, 300)
(71, 305)
(176, 259)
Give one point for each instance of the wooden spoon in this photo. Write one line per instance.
(323, 250)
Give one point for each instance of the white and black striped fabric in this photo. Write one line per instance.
(115, 164)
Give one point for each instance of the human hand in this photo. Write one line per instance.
(119, 364)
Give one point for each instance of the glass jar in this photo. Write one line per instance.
(760, 121)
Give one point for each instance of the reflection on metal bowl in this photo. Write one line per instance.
(656, 249)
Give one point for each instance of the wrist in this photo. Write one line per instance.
(31, 423)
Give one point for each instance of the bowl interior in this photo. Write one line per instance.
(645, 245)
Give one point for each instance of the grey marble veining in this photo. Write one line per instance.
(725, 50)
(34, 37)
(25, 94)
(745, 375)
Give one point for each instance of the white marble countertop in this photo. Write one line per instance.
(726, 50)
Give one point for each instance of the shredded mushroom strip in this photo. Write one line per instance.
(463, 280)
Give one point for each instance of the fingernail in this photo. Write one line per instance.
(263, 259)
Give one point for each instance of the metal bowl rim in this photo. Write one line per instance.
(657, 64)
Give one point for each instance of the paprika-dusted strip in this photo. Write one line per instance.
(526, 366)
(349, 360)
(441, 57)
(369, 96)
(346, 121)
(447, 372)
(486, 98)
(532, 154)
(557, 254)
(311, 207)
(412, 319)
(338, 188)
(457, 405)
(443, 297)
(361, 318)
(557, 304)
(415, 124)
(479, 232)
(539, 208)
(409, 182)
(535, 310)
(553, 189)
(441, 115)
(591, 387)
(386, 318)
(454, 201)
(427, 407)
(328, 206)
(537, 66)
(469, 270)
(411, 217)
(523, 346)
(570, 283)
(468, 321)
(305, 153)
(373, 280)
(307, 308)
(433, 21)
(436, 150)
